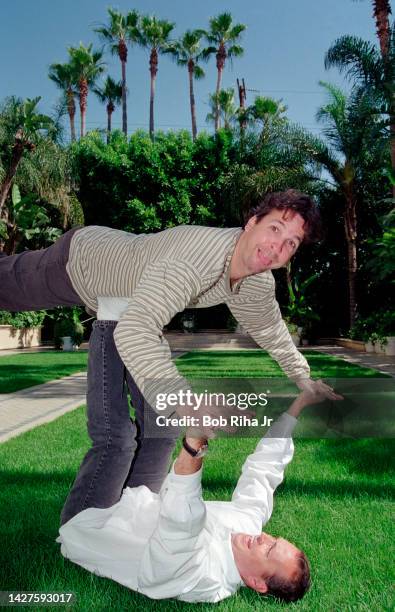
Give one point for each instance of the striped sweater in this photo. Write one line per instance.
(162, 274)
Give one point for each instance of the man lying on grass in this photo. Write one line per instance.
(176, 545)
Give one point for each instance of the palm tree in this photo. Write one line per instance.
(62, 75)
(110, 94)
(268, 113)
(372, 70)
(154, 35)
(21, 126)
(355, 136)
(120, 31)
(87, 67)
(381, 13)
(223, 37)
(187, 52)
(222, 106)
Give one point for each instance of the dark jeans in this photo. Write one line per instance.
(120, 455)
(33, 280)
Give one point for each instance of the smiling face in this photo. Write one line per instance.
(263, 556)
(267, 243)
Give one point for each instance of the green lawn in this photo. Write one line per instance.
(255, 363)
(29, 369)
(335, 503)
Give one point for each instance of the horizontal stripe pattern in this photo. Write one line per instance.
(162, 274)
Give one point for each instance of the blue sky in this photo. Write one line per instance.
(284, 44)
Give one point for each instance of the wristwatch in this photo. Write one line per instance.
(192, 451)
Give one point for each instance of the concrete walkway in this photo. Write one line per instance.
(382, 363)
(26, 409)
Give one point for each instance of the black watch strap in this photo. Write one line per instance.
(192, 451)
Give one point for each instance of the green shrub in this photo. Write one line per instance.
(24, 319)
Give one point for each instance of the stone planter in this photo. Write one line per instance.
(296, 339)
(369, 347)
(68, 344)
(390, 346)
(356, 345)
(27, 337)
(379, 348)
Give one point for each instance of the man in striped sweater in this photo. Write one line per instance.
(145, 280)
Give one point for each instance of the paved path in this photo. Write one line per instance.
(382, 363)
(23, 410)
(26, 409)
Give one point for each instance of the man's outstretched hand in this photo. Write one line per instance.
(313, 393)
(318, 390)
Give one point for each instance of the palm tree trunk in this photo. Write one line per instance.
(381, 13)
(123, 56)
(153, 70)
(124, 109)
(192, 99)
(352, 271)
(221, 56)
(151, 107)
(217, 90)
(350, 226)
(83, 103)
(392, 146)
(110, 110)
(13, 240)
(71, 112)
(17, 152)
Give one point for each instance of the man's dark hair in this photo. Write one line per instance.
(293, 588)
(295, 201)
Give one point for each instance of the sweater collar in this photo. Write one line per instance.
(236, 288)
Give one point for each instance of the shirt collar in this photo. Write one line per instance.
(236, 288)
(231, 573)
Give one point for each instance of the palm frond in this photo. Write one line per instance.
(357, 58)
(198, 73)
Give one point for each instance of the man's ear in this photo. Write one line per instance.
(250, 223)
(258, 584)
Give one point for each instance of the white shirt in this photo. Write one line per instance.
(173, 544)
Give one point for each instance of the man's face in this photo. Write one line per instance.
(263, 555)
(271, 242)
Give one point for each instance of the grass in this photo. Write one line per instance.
(256, 363)
(335, 503)
(29, 369)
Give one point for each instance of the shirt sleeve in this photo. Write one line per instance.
(263, 321)
(164, 289)
(171, 558)
(264, 469)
